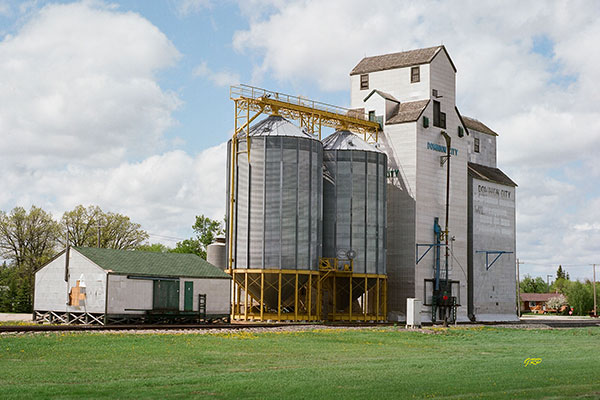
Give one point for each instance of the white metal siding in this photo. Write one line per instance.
(52, 292)
(129, 296)
(217, 291)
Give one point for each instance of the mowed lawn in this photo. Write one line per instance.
(377, 363)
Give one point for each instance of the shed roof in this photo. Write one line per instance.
(399, 60)
(490, 174)
(408, 112)
(478, 126)
(151, 263)
(538, 296)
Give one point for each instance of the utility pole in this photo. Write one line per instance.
(594, 266)
(518, 289)
(99, 227)
(548, 282)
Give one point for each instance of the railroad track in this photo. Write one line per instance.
(224, 326)
(230, 326)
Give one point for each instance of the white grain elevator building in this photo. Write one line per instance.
(413, 95)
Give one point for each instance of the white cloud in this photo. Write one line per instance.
(83, 117)
(78, 83)
(188, 7)
(162, 192)
(219, 78)
(542, 101)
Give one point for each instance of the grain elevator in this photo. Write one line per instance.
(403, 200)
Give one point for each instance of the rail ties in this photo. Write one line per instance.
(83, 328)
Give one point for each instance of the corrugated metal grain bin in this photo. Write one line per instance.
(354, 202)
(278, 194)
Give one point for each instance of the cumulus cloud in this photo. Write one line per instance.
(219, 78)
(83, 118)
(78, 82)
(526, 69)
(162, 192)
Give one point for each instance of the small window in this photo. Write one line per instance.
(371, 115)
(439, 118)
(364, 81)
(476, 145)
(415, 75)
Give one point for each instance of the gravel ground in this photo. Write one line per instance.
(9, 317)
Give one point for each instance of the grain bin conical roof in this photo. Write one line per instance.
(346, 140)
(276, 125)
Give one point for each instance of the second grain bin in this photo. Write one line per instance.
(277, 220)
(354, 202)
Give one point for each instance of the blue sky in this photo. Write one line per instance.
(125, 104)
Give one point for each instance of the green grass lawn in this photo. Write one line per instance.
(332, 363)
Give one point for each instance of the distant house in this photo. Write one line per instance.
(102, 286)
(535, 302)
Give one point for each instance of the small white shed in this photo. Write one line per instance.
(103, 286)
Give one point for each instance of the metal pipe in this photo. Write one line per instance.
(448, 143)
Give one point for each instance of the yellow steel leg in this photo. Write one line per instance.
(319, 299)
(246, 295)
(377, 300)
(296, 300)
(385, 299)
(279, 300)
(365, 300)
(262, 295)
(334, 298)
(309, 302)
(350, 298)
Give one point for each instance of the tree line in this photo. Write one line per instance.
(29, 239)
(577, 295)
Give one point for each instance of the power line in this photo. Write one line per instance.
(165, 236)
(553, 264)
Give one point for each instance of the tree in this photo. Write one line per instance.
(206, 231)
(531, 285)
(120, 233)
(560, 274)
(27, 240)
(81, 225)
(116, 230)
(561, 285)
(580, 297)
(154, 247)
(191, 246)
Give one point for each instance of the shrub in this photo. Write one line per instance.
(580, 298)
(557, 302)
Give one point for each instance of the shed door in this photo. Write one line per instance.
(166, 295)
(188, 304)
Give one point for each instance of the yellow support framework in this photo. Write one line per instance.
(277, 295)
(297, 295)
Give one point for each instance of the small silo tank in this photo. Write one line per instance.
(354, 202)
(278, 194)
(215, 253)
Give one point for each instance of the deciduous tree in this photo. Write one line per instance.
(116, 230)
